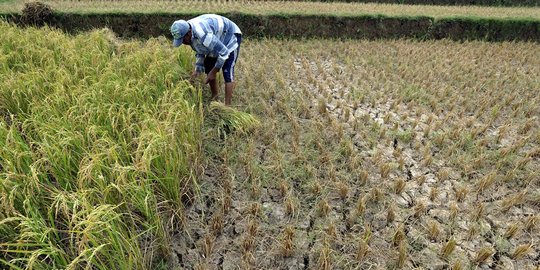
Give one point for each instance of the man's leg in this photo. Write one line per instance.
(209, 63)
(228, 75)
(229, 89)
(215, 89)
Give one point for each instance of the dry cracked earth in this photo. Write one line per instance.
(389, 199)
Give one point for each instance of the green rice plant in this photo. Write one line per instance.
(100, 150)
(168, 140)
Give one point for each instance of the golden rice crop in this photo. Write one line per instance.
(99, 144)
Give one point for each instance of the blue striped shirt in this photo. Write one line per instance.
(213, 36)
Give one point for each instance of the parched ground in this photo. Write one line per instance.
(374, 155)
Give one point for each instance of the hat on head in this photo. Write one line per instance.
(178, 30)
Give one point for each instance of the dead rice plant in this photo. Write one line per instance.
(283, 188)
(325, 261)
(419, 209)
(255, 209)
(482, 255)
(433, 231)
(362, 251)
(427, 160)
(457, 266)
(454, 211)
(433, 194)
(399, 185)
(287, 242)
(472, 232)
(343, 190)
(521, 251)
(226, 203)
(512, 201)
(461, 193)
(531, 223)
(443, 174)
(361, 206)
(217, 224)
(376, 195)
(331, 230)
(208, 245)
(448, 248)
(398, 236)
(478, 212)
(512, 230)
(390, 214)
(384, 169)
(421, 179)
(253, 227)
(402, 255)
(363, 177)
(367, 233)
(290, 206)
(316, 188)
(323, 208)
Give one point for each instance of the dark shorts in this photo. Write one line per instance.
(228, 67)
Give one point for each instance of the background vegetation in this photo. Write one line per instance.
(281, 7)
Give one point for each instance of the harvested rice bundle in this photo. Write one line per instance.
(231, 120)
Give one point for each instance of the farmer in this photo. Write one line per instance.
(216, 42)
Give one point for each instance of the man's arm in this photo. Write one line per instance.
(218, 48)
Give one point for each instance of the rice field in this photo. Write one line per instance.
(376, 155)
(100, 148)
(356, 154)
(280, 7)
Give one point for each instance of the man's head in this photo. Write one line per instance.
(181, 32)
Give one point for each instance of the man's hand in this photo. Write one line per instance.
(194, 76)
(211, 75)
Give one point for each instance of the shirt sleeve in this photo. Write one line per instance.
(217, 47)
(199, 62)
